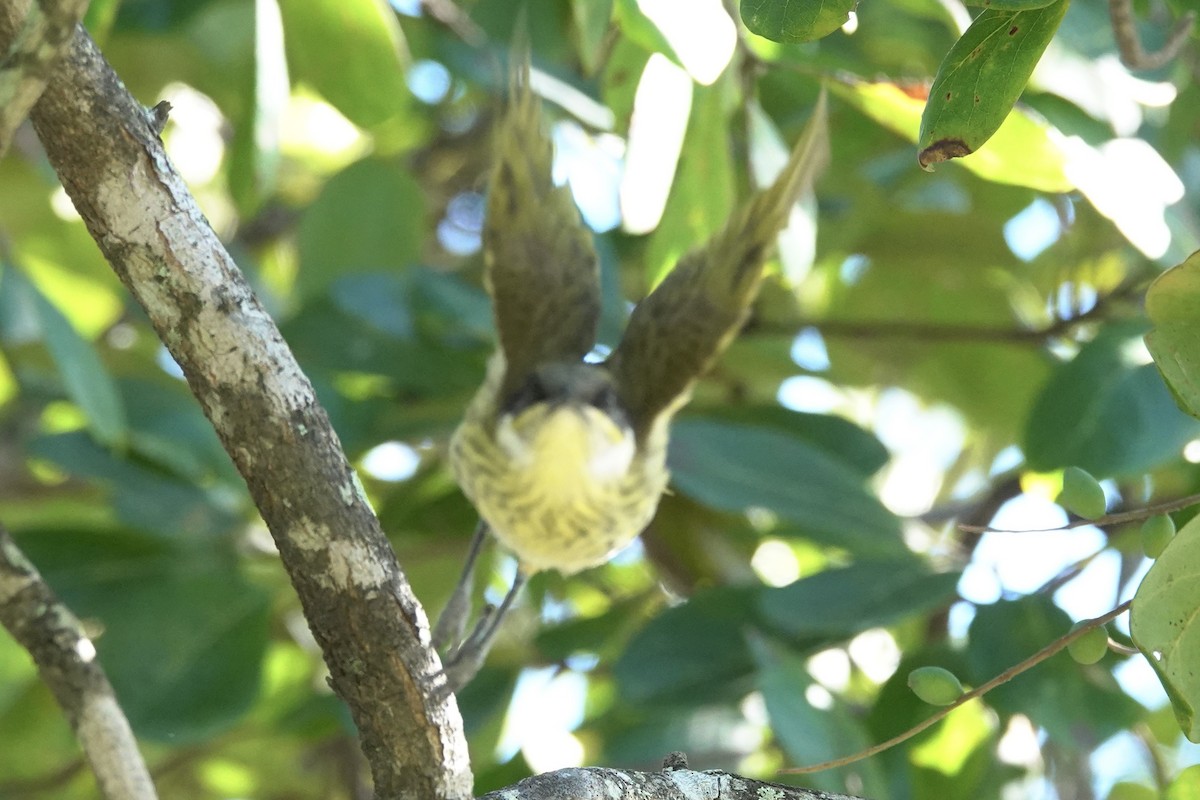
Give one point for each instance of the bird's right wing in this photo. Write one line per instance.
(676, 333)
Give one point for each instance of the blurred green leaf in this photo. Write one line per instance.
(795, 21)
(1186, 785)
(143, 497)
(703, 192)
(86, 380)
(840, 438)
(370, 217)
(1105, 412)
(640, 29)
(697, 648)
(734, 467)
(808, 734)
(1010, 5)
(352, 52)
(981, 78)
(1175, 341)
(868, 594)
(179, 682)
(1163, 623)
(592, 19)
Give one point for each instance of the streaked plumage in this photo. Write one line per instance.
(566, 460)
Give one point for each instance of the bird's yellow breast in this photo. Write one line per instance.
(562, 487)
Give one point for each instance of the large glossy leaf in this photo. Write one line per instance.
(981, 78)
(735, 466)
(838, 603)
(1106, 412)
(795, 20)
(1171, 304)
(370, 217)
(180, 681)
(351, 51)
(840, 438)
(1164, 625)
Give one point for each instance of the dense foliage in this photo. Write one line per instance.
(930, 350)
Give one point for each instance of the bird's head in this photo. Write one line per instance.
(568, 419)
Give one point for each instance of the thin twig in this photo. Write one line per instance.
(66, 661)
(459, 22)
(1129, 45)
(1118, 518)
(1046, 652)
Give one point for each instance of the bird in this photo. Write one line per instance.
(564, 456)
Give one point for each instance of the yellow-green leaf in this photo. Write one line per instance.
(1175, 341)
(1023, 152)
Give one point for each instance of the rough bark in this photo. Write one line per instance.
(372, 631)
(595, 783)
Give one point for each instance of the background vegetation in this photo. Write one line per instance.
(942, 349)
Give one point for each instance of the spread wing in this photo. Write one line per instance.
(676, 333)
(542, 270)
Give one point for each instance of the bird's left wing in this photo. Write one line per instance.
(542, 270)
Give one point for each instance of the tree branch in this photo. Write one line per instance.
(372, 631)
(597, 783)
(66, 661)
(48, 28)
(1129, 44)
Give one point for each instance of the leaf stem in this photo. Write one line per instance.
(1046, 652)
(1118, 518)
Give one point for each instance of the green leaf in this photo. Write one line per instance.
(1052, 694)
(868, 594)
(1025, 151)
(733, 467)
(981, 78)
(592, 18)
(794, 21)
(351, 51)
(840, 438)
(84, 376)
(1164, 625)
(1175, 341)
(181, 681)
(142, 497)
(1105, 412)
(696, 647)
(370, 217)
(640, 29)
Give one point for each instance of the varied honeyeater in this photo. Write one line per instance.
(565, 458)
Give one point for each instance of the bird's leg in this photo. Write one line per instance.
(452, 622)
(465, 660)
